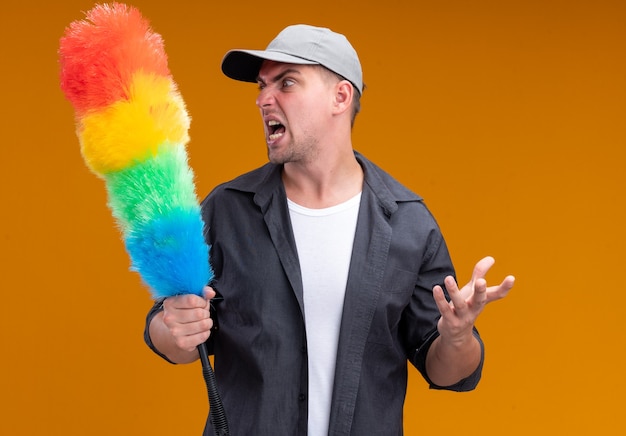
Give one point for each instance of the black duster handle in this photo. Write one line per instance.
(218, 417)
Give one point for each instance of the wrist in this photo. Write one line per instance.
(458, 342)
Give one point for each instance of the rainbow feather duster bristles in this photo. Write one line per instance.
(132, 126)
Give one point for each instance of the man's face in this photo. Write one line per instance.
(295, 102)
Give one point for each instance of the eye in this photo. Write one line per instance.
(288, 82)
(261, 86)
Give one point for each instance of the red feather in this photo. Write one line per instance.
(100, 54)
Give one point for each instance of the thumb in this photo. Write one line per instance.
(208, 292)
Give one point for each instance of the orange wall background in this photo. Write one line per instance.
(507, 116)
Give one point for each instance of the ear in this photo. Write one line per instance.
(343, 96)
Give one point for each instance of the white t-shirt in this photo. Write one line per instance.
(324, 239)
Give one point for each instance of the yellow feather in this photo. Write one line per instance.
(131, 131)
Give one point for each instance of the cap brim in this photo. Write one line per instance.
(244, 65)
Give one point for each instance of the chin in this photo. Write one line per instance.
(275, 156)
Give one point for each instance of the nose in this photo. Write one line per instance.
(265, 98)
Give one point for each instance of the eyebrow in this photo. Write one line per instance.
(280, 75)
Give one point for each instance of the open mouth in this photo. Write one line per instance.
(276, 130)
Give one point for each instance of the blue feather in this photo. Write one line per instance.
(170, 253)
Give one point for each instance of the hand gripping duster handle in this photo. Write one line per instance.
(132, 127)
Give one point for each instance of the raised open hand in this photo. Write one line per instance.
(460, 313)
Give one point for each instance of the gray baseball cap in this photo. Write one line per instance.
(299, 44)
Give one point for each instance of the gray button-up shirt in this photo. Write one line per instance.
(389, 316)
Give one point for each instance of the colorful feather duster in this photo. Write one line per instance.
(132, 126)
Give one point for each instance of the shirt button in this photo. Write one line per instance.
(301, 397)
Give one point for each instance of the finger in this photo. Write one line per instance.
(456, 298)
(500, 291)
(451, 286)
(185, 309)
(186, 301)
(187, 322)
(479, 297)
(480, 287)
(191, 342)
(440, 300)
(200, 327)
(481, 268)
(509, 282)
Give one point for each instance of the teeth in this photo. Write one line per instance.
(273, 123)
(275, 136)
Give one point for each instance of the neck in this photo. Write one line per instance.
(325, 182)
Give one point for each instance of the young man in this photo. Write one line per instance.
(332, 274)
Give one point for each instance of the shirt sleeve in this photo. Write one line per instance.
(423, 315)
(156, 308)
(467, 384)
